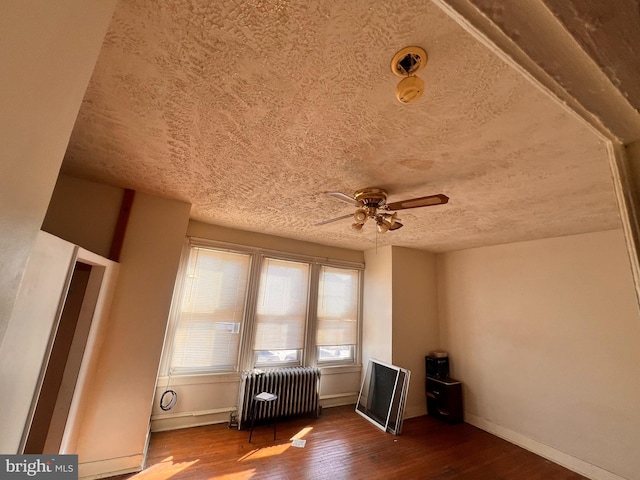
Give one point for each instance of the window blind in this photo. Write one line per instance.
(211, 311)
(338, 294)
(281, 305)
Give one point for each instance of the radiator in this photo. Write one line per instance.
(297, 390)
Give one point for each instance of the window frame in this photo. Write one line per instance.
(176, 310)
(300, 361)
(358, 345)
(247, 356)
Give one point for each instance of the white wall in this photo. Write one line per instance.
(26, 343)
(47, 51)
(32, 328)
(545, 336)
(97, 305)
(415, 320)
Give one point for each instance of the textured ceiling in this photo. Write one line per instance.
(250, 110)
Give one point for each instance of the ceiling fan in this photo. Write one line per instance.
(372, 204)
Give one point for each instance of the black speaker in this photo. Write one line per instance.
(437, 366)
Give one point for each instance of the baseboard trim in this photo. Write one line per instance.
(110, 467)
(572, 463)
(176, 421)
(339, 399)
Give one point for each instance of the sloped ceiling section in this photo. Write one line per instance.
(251, 110)
(585, 51)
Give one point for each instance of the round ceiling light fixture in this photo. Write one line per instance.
(407, 63)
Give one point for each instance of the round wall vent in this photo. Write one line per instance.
(408, 61)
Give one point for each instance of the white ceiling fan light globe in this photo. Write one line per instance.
(360, 215)
(357, 227)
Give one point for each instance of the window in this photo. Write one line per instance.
(236, 309)
(338, 299)
(211, 312)
(281, 312)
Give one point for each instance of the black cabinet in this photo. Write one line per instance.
(444, 399)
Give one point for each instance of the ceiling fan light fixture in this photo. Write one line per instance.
(372, 203)
(382, 227)
(393, 218)
(360, 215)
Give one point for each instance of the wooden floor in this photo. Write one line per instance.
(340, 444)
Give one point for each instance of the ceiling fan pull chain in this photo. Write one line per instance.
(376, 230)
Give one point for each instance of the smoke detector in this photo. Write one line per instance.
(407, 63)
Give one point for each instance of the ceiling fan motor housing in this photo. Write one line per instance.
(372, 204)
(371, 197)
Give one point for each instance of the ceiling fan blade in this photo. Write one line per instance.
(334, 219)
(344, 198)
(427, 201)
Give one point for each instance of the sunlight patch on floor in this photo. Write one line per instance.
(265, 452)
(301, 433)
(164, 470)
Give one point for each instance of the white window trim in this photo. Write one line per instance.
(358, 348)
(246, 354)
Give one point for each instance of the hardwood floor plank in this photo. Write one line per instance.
(340, 444)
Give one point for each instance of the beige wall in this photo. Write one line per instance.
(113, 435)
(415, 319)
(269, 242)
(545, 337)
(84, 213)
(377, 319)
(401, 314)
(48, 51)
(111, 417)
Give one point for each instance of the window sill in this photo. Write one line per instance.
(198, 379)
(340, 369)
